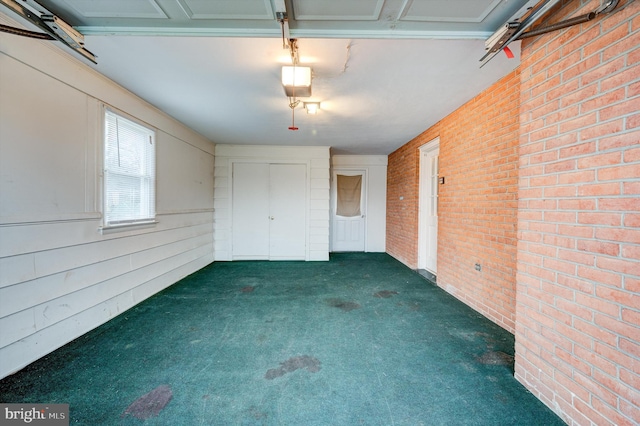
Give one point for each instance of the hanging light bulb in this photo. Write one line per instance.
(312, 107)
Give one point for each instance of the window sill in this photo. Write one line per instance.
(127, 227)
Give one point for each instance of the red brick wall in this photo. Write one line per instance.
(402, 202)
(578, 272)
(477, 203)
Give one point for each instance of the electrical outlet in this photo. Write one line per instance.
(478, 267)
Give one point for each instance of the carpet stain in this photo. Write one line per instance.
(502, 398)
(486, 337)
(247, 289)
(261, 339)
(292, 364)
(495, 358)
(345, 305)
(150, 404)
(255, 413)
(385, 294)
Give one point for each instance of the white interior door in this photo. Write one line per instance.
(287, 208)
(349, 231)
(428, 216)
(269, 211)
(250, 217)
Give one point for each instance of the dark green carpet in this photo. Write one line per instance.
(358, 340)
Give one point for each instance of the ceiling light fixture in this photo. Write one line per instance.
(296, 81)
(312, 107)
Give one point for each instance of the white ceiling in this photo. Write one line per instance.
(383, 70)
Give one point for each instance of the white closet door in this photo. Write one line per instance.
(269, 211)
(288, 195)
(250, 208)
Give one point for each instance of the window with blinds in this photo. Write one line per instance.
(129, 172)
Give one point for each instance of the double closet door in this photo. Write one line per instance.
(269, 205)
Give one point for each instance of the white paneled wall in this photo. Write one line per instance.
(317, 161)
(59, 275)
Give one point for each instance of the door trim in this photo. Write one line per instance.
(424, 186)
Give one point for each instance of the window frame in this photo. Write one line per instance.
(147, 131)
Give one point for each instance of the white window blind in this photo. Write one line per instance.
(129, 172)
